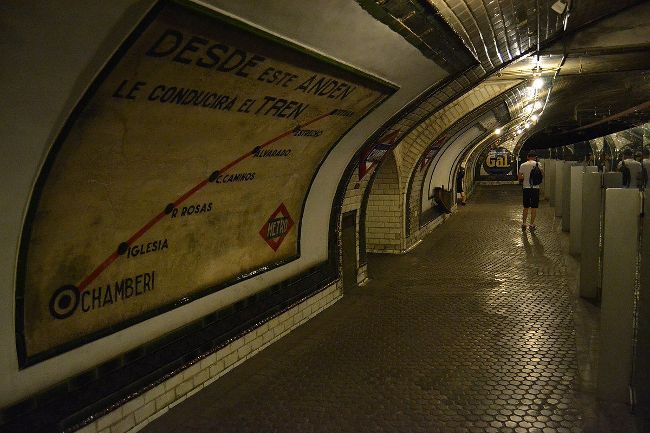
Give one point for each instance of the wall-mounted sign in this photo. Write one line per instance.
(498, 162)
(431, 153)
(197, 132)
(276, 228)
(373, 154)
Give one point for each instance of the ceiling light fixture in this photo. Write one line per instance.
(538, 83)
(530, 91)
(559, 7)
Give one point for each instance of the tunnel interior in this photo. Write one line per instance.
(179, 177)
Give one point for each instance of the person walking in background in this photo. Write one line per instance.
(607, 163)
(631, 170)
(460, 175)
(530, 190)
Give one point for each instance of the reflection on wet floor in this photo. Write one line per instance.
(473, 331)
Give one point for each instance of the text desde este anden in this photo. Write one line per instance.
(191, 50)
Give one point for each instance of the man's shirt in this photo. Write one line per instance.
(525, 169)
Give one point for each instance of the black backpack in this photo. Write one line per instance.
(536, 175)
(627, 177)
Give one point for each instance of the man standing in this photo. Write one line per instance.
(632, 178)
(531, 192)
(459, 184)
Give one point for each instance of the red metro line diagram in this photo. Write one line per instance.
(65, 299)
(183, 169)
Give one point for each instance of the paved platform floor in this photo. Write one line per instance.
(474, 330)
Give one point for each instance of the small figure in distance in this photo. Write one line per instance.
(459, 184)
(607, 163)
(631, 170)
(530, 191)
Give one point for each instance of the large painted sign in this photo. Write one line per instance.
(498, 162)
(183, 169)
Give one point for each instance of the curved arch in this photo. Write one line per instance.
(414, 206)
(443, 166)
(384, 217)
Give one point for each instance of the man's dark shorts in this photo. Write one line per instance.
(531, 197)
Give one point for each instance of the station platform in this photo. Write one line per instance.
(478, 329)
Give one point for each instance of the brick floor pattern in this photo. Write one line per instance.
(472, 331)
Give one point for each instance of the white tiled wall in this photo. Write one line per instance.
(140, 411)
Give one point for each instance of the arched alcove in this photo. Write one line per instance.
(384, 216)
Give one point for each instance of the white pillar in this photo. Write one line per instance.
(590, 235)
(559, 186)
(613, 179)
(642, 365)
(620, 255)
(543, 193)
(551, 182)
(575, 214)
(566, 195)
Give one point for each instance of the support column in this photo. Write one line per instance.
(613, 179)
(575, 214)
(590, 235)
(559, 185)
(566, 195)
(543, 193)
(551, 182)
(641, 376)
(620, 257)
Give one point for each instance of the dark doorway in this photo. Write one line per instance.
(349, 247)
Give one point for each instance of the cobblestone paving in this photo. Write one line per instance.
(470, 332)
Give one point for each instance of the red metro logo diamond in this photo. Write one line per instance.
(276, 228)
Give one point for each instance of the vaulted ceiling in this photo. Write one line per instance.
(592, 57)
